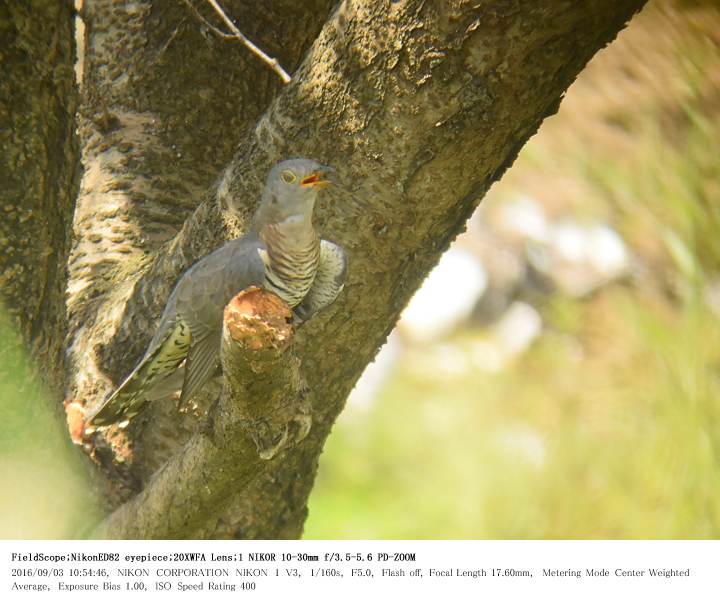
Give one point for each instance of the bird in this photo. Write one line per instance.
(281, 253)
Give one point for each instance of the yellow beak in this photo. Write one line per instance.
(316, 179)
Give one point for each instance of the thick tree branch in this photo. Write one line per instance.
(420, 109)
(163, 106)
(243, 431)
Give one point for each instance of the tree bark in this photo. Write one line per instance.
(418, 105)
(39, 170)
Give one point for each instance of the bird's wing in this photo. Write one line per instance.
(190, 327)
(328, 283)
(201, 302)
(201, 362)
(167, 351)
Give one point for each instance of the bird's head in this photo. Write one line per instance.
(291, 190)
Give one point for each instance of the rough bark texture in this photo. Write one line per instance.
(38, 171)
(419, 106)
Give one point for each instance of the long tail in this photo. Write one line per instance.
(123, 404)
(132, 395)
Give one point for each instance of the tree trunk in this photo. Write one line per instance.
(418, 105)
(39, 169)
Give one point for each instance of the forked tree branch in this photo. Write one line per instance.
(419, 109)
(218, 32)
(236, 33)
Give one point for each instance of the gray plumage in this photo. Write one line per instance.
(281, 253)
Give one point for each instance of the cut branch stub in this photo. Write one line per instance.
(257, 320)
(263, 388)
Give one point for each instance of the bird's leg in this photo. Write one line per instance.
(298, 319)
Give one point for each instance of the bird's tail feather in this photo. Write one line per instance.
(132, 395)
(126, 402)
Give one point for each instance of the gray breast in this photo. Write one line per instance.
(291, 263)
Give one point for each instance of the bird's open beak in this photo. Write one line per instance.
(319, 178)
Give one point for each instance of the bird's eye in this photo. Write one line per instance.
(288, 176)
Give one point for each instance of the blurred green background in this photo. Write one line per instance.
(608, 424)
(604, 422)
(43, 494)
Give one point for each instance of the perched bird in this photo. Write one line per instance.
(281, 253)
